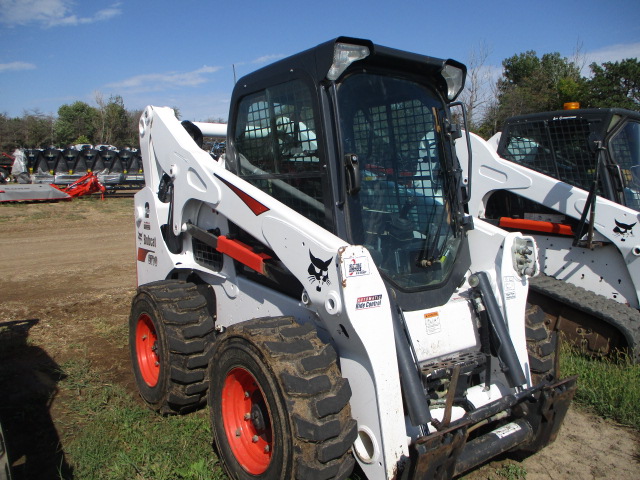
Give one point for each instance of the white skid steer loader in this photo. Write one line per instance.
(571, 180)
(321, 287)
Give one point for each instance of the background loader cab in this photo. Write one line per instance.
(568, 144)
(321, 287)
(570, 179)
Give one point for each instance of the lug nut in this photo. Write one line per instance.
(238, 433)
(254, 439)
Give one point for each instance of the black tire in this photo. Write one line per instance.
(541, 345)
(170, 341)
(299, 424)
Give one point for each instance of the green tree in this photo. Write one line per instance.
(614, 84)
(112, 121)
(10, 133)
(519, 67)
(532, 84)
(37, 129)
(133, 119)
(82, 139)
(74, 121)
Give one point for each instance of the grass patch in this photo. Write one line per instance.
(27, 211)
(510, 471)
(115, 437)
(82, 208)
(610, 387)
(108, 329)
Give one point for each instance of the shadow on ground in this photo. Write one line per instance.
(28, 385)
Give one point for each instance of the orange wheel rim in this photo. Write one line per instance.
(247, 421)
(147, 350)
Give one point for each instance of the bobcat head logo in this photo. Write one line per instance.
(318, 271)
(623, 229)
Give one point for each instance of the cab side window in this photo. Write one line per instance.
(625, 151)
(278, 152)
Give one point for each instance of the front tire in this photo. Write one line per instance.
(279, 406)
(170, 342)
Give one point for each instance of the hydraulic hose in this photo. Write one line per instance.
(505, 349)
(414, 396)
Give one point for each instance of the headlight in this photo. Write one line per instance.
(454, 76)
(344, 54)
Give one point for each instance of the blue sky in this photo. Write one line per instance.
(181, 53)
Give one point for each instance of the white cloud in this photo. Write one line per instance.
(613, 53)
(260, 60)
(16, 66)
(50, 13)
(267, 59)
(162, 81)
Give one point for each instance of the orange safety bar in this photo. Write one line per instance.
(536, 226)
(243, 253)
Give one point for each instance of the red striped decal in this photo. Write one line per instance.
(256, 207)
(142, 254)
(536, 226)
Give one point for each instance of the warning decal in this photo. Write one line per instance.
(432, 322)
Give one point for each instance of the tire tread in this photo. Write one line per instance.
(189, 330)
(316, 395)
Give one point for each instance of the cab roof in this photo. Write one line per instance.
(315, 62)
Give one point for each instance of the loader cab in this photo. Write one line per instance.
(562, 145)
(359, 139)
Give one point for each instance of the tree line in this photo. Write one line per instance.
(531, 83)
(108, 123)
(528, 83)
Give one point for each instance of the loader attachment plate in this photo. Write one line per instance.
(436, 454)
(535, 417)
(547, 417)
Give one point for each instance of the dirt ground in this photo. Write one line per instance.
(68, 273)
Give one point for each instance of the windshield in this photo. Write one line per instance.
(625, 151)
(402, 213)
(558, 148)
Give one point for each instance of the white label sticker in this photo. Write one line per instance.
(509, 285)
(506, 430)
(432, 322)
(357, 266)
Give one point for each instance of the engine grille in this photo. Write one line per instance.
(206, 255)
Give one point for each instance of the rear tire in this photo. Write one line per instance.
(541, 345)
(170, 342)
(279, 406)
